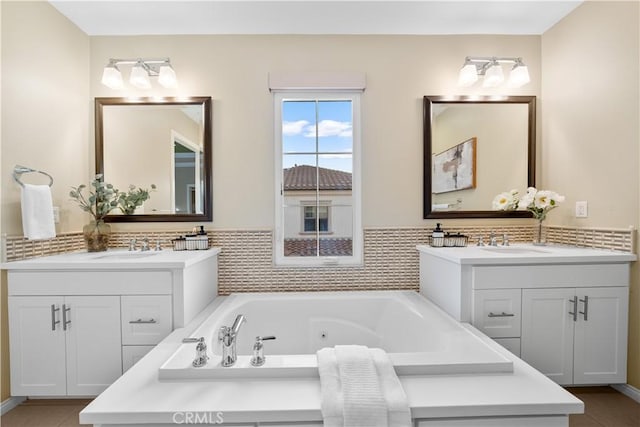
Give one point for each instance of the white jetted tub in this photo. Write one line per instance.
(419, 337)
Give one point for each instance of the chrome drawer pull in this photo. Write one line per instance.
(503, 314)
(54, 322)
(65, 322)
(140, 321)
(574, 301)
(586, 307)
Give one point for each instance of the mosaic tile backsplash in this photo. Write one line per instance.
(390, 256)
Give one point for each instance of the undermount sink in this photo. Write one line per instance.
(126, 255)
(514, 250)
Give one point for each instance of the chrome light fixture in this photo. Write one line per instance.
(141, 71)
(490, 69)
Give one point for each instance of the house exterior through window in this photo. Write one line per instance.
(317, 159)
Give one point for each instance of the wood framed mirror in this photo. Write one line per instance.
(161, 141)
(460, 181)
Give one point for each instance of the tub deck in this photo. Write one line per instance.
(498, 399)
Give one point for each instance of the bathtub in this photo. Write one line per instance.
(419, 337)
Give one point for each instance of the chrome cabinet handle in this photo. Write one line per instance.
(586, 307)
(54, 322)
(65, 322)
(140, 321)
(574, 301)
(503, 314)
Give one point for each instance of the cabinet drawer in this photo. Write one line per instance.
(146, 319)
(496, 312)
(549, 276)
(131, 354)
(511, 344)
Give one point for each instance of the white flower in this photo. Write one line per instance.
(506, 201)
(542, 199)
(527, 200)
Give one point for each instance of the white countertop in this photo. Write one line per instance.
(114, 259)
(526, 254)
(140, 397)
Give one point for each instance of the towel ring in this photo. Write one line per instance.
(19, 170)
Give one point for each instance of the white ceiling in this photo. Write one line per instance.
(100, 17)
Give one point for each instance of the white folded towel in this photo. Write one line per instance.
(360, 388)
(37, 212)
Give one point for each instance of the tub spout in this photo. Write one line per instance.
(227, 336)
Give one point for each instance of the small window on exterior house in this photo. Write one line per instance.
(319, 222)
(317, 138)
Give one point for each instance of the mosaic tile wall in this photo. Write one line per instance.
(390, 257)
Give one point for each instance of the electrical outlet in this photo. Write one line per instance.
(56, 215)
(582, 209)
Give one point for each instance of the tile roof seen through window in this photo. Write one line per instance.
(303, 177)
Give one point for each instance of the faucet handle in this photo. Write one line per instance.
(158, 245)
(258, 351)
(505, 239)
(132, 244)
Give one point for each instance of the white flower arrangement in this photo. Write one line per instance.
(538, 202)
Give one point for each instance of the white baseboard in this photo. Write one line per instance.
(628, 390)
(11, 403)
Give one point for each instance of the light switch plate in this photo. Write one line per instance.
(582, 210)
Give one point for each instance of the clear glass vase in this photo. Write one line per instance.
(96, 236)
(538, 238)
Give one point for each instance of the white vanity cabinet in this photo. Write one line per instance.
(64, 345)
(576, 335)
(563, 310)
(78, 321)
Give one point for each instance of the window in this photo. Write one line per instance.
(317, 181)
(313, 222)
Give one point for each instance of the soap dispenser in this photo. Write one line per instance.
(437, 236)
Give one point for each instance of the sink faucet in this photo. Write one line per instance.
(227, 335)
(145, 244)
(493, 241)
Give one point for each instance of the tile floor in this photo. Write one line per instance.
(604, 407)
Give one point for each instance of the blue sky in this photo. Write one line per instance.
(334, 134)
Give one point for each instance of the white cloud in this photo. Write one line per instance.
(329, 128)
(293, 128)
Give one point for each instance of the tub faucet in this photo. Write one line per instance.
(227, 335)
(258, 351)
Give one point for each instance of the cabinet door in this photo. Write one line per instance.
(600, 344)
(94, 356)
(496, 312)
(131, 354)
(37, 346)
(547, 332)
(146, 319)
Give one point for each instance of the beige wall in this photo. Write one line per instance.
(45, 119)
(590, 126)
(234, 69)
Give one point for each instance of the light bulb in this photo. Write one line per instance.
(167, 76)
(519, 75)
(139, 77)
(494, 75)
(468, 75)
(111, 77)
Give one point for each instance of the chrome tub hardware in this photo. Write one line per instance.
(201, 351)
(227, 336)
(132, 245)
(258, 351)
(505, 239)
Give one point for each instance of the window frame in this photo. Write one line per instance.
(356, 259)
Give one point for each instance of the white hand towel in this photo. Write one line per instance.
(37, 212)
(359, 387)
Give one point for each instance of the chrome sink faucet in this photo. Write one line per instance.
(227, 335)
(493, 240)
(145, 244)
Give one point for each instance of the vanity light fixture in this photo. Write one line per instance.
(490, 68)
(141, 71)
